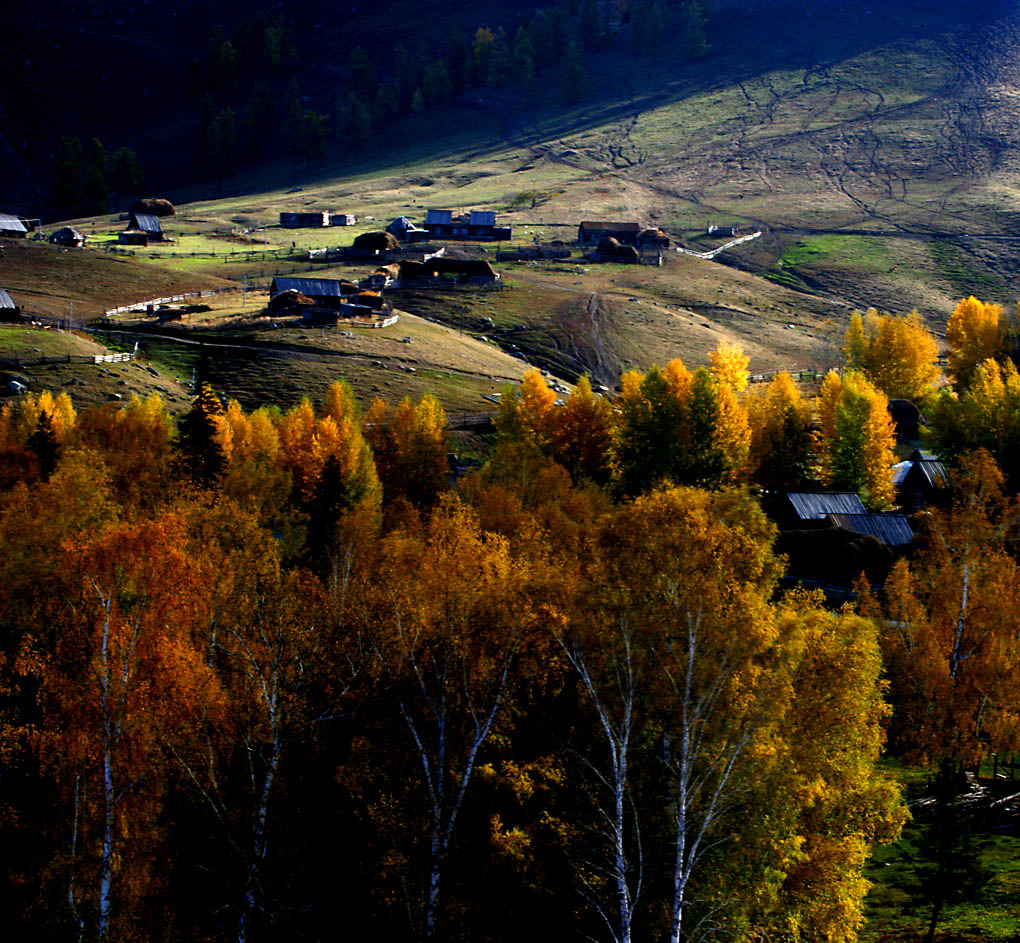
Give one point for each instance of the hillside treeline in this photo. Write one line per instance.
(270, 674)
(255, 88)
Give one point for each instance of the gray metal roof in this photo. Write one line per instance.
(926, 464)
(482, 218)
(891, 529)
(814, 505)
(5, 299)
(312, 287)
(147, 222)
(438, 217)
(12, 223)
(899, 471)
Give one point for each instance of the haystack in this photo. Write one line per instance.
(376, 241)
(610, 246)
(155, 205)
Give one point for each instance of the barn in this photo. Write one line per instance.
(69, 237)
(12, 226)
(9, 311)
(149, 224)
(592, 233)
(439, 272)
(324, 292)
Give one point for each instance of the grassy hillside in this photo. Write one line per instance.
(874, 149)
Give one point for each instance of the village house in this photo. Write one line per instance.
(653, 239)
(479, 226)
(407, 231)
(12, 227)
(69, 237)
(313, 220)
(921, 480)
(328, 293)
(146, 223)
(592, 233)
(9, 311)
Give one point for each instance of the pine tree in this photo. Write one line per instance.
(201, 455)
(573, 78)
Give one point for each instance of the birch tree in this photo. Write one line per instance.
(455, 629)
(124, 672)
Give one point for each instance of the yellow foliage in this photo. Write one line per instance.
(729, 366)
(897, 354)
(975, 332)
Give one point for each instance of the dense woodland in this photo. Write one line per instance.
(259, 86)
(271, 674)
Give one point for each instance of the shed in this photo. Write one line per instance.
(12, 226)
(591, 233)
(342, 219)
(920, 480)
(67, 236)
(133, 237)
(440, 225)
(324, 292)
(9, 311)
(726, 229)
(652, 239)
(149, 224)
(406, 230)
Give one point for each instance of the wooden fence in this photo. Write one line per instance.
(170, 299)
(18, 362)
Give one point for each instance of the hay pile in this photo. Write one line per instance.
(157, 206)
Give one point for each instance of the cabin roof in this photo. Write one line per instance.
(12, 223)
(312, 287)
(815, 505)
(891, 529)
(147, 222)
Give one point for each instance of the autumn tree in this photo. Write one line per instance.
(949, 643)
(856, 438)
(653, 413)
(824, 802)
(456, 618)
(975, 332)
(583, 435)
(779, 421)
(119, 676)
(985, 415)
(729, 366)
(409, 446)
(896, 354)
(133, 441)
